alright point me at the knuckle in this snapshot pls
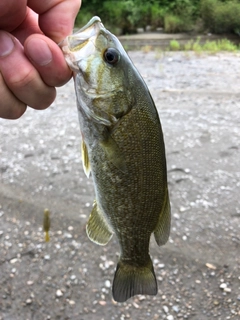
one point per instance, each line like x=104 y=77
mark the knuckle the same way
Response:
x=22 y=80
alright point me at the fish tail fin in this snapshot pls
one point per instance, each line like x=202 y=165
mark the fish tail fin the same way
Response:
x=130 y=280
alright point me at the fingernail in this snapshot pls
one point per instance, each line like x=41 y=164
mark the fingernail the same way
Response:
x=6 y=44
x=39 y=52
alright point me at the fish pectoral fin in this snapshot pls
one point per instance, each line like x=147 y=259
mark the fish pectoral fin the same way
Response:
x=114 y=154
x=130 y=280
x=162 y=230
x=85 y=159
x=97 y=227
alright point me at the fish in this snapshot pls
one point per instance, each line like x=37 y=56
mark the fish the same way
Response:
x=123 y=151
x=46 y=224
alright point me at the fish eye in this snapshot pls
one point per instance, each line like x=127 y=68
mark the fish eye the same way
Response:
x=111 y=56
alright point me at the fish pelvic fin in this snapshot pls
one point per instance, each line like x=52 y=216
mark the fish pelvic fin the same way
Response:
x=130 y=280
x=162 y=230
x=97 y=227
x=85 y=159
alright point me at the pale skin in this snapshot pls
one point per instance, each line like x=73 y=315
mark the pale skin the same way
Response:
x=31 y=63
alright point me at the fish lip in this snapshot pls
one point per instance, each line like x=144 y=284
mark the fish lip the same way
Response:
x=74 y=46
x=85 y=34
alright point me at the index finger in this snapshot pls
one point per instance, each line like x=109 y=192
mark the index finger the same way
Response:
x=56 y=18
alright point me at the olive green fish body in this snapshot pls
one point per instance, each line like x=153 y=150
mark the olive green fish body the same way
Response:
x=123 y=148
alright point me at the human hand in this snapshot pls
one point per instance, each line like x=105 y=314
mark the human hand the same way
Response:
x=31 y=63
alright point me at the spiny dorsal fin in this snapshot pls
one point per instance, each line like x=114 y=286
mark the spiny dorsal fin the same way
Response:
x=162 y=230
x=97 y=227
x=130 y=280
x=85 y=159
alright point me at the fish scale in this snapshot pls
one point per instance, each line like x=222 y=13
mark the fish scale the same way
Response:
x=123 y=147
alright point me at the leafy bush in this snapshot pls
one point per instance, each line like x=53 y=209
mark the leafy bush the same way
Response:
x=174 y=24
x=126 y=16
x=221 y=17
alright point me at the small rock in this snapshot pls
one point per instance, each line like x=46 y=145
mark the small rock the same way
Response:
x=59 y=293
x=71 y=302
x=47 y=257
x=29 y=283
x=228 y=290
x=165 y=309
x=175 y=309
x=135 y=305
x=107 y=284
x=28 y=301
x=223 y=286
x=210 y=266
x=13 y=261
x=170 y=317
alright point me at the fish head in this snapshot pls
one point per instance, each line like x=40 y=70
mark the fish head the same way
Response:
x=102 y=71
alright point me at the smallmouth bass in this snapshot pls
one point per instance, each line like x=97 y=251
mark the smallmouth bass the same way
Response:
x=123 y=149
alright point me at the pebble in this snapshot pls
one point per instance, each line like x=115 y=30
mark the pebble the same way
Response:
x=59 y=293
x=13 y=261
x=223 y=285
x=107 y=284
x=210 y=266
x=47 y=257
x=175 y=309
x=170 y=317
x=29 y=301
x=165 y=309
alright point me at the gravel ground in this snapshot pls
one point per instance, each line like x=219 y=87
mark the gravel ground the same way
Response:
x=198 y=271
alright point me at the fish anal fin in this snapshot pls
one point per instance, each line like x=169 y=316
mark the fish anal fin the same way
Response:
x=162 y=230
x=114 y=154
x=97 y=227
x=85 y=159
x=131 y=280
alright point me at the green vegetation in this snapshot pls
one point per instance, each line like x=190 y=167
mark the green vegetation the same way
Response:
x=208 y=46
x=125 y=16
x=174 y=45
x=220 y=17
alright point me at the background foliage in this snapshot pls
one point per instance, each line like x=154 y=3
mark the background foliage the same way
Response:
x=125 y=16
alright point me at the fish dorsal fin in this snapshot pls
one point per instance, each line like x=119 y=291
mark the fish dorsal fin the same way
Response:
x=114 y=154
x=162 y=230
x=97 y=227
x=85 y=159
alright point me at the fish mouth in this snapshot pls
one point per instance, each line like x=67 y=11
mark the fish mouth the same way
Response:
x=81 y=44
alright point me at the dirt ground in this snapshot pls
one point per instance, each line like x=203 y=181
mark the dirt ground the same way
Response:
x=198 y=271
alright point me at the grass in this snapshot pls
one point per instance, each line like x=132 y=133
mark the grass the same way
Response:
x=208 y=46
